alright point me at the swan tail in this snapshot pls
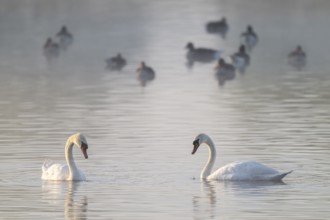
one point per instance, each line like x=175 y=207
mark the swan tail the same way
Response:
x=47 y=163
x=279 y=177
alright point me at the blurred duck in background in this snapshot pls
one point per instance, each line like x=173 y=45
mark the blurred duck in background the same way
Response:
x=203 y=55
x=65 y=38
x=51 y=50
x=145 y=74
x=297 y=58
x=218 y=27
x=249 y=38
x=115 y=63
x=241 y=60
x=224 y=71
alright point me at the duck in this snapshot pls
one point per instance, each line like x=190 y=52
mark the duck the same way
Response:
x=297 y=58
x=68 y=171
x=65 y=38
x=241 y=59
x=235 y=171
x=115 y=63
x=203 y=55
x=218 y=27
x=51 y=50
x=224 y=71
x=249 y=38
x=145 y=74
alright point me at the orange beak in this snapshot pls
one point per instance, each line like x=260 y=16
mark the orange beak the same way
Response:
x=84 y=150
x=196 y=145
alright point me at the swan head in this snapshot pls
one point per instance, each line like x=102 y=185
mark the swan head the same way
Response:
x=80 y=140
x=199 y=139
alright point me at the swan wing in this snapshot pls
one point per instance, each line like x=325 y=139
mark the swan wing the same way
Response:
x=54 y=171
x=247 y=171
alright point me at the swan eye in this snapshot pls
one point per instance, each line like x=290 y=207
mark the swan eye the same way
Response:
x=196 y=143
x=84 y=145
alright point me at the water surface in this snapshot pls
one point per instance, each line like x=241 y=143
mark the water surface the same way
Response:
x=140 y=139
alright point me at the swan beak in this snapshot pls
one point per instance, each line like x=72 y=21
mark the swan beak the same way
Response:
x=196 y=145
x=84 y=150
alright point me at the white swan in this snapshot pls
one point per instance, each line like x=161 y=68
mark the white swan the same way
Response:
x=69 y=171
x=236 y=171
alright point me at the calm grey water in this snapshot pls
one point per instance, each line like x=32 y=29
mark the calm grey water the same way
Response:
x=140 y=164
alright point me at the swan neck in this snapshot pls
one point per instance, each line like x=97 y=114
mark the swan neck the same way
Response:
x=69 y=159
x=210 y=162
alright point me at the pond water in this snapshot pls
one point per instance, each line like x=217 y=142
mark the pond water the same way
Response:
x=140 y=139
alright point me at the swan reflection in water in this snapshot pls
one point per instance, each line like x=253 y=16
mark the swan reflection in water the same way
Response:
x=204 y=205
x=75 y=204
x=75 y=208
x=209 y=203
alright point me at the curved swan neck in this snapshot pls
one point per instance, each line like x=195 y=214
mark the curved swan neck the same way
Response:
x=69 y=159
x=210 y=162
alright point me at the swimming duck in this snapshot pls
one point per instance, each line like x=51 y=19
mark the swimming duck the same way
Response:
x=224 y=71
x=241 y=59
x=145 y=74
x=115 y=63
x=249 y=38
x=218 y=27
x=51 y=50
x=297 y=58
x=203 y=55
x=65 y=38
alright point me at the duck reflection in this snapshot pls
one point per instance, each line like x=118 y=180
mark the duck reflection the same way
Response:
x=75 y=206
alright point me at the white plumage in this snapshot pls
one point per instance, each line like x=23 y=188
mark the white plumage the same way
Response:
x=69 y=171
x=236 y=171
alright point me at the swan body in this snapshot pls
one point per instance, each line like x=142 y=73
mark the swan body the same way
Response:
x=69 y=171
x=236 y=171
